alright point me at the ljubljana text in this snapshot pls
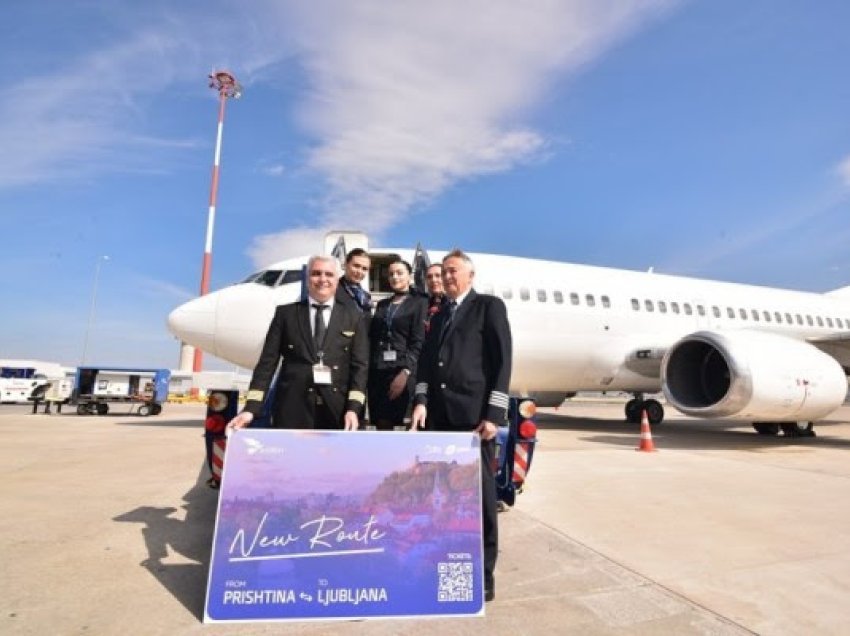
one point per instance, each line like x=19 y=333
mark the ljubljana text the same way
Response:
x=315 y=537
x=324 y=596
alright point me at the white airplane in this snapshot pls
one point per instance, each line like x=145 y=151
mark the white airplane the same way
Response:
x=776 y=358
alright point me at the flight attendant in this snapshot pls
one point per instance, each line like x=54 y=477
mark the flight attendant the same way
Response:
x=396 y=334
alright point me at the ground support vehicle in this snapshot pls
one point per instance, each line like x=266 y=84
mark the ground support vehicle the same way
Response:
x=98 y=388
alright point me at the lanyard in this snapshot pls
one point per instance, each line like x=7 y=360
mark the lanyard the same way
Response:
x=392 y=310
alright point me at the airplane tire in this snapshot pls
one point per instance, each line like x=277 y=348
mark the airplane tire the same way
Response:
x=145 y=410
x=798 y=429
x=766 y=428
x=82 y=409
x=654 y=411
x=102 y=408
x=156 y=409
x=633 y=409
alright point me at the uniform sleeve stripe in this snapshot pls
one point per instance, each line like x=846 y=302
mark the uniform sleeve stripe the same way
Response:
x=357 y=396
x=499 y=399
x=256 y=395
x=421 y=388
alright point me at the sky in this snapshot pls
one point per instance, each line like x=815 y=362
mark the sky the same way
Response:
x=707 y=139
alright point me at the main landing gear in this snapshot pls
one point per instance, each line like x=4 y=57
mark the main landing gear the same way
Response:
x=636 y=406
x=789 y=429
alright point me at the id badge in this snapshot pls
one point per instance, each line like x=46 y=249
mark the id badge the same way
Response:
x=390 y=355
x=321 y=374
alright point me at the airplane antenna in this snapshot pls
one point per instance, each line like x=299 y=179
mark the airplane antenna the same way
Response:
x=228 y=87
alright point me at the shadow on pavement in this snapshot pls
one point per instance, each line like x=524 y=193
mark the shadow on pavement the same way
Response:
x=190 y=537
x=690 y=434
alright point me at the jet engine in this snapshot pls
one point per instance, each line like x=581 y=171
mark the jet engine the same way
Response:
x=754 y=376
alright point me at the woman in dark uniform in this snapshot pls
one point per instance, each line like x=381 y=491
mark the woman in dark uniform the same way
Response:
x=396 y=335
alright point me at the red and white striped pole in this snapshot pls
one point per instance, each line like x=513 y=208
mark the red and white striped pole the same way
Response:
x=227 y=86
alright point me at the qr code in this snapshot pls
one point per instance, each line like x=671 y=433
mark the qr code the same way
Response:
x=455 y=581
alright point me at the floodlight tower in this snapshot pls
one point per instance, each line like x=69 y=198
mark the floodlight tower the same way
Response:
x=227 y=86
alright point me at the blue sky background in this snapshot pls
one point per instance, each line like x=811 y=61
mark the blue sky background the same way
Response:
x=701 y=138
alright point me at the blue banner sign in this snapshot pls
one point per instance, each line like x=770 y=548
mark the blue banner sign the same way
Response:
x=342 y=525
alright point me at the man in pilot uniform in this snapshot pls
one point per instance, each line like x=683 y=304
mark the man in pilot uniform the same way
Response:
x=324 y=348
x=462 y=381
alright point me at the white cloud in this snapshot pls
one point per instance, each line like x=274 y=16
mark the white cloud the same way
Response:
x=275 y=170
x=402 y=100
x=843 y=170
x=269 y=248
x=406 y=99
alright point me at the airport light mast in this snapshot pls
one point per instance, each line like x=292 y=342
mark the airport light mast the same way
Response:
x=227 y=86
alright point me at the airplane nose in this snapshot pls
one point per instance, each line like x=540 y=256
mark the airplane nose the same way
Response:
x=194 y=322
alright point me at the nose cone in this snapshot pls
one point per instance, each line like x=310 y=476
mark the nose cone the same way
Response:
x=194 y=322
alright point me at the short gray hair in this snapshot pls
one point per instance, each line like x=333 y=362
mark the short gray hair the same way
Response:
x=459 y=253
x=324 y=258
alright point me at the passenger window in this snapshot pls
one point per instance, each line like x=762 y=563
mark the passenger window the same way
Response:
x=742 y=313
x=674 y=307
x=809 y=321
x=839 y=324
x=507 y=293
x=574 y=298
x=766 y=315
x=524 y=294
x=701 y=310
x=730 y=312
x=606 y=302
x=716 y=311
x=754 y=314
x=541 y=295
x=788 y=319
x=688 y=310
x=828 y=321
x=777 y=316
x=662 y=306
x=799 y=319
x=820 y=321
x=649 y=306
x=635 y=304
x=591 y=302
x=558 y=296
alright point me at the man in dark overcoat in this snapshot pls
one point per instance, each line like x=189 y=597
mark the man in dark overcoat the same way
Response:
x=323 y=349
x=462 y=381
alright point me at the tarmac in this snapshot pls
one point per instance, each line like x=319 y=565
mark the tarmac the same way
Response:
x=106 y=525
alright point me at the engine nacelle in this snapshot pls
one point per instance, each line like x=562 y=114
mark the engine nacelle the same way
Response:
x=751 y=375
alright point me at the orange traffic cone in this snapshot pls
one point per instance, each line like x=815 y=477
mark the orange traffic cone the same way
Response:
x=646 y=444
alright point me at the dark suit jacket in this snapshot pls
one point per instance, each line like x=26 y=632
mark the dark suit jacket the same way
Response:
x=290 y=341
x=464 y=373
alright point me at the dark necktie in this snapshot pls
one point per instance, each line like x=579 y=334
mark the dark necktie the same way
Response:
x=319 y=328
x=452 y=308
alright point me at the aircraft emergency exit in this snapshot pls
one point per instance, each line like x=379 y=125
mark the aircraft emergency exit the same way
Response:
x=773 y=357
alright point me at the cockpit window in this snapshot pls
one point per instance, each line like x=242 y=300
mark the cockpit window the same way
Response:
x=252 y=277
x=268 y=277
x=290 y=276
